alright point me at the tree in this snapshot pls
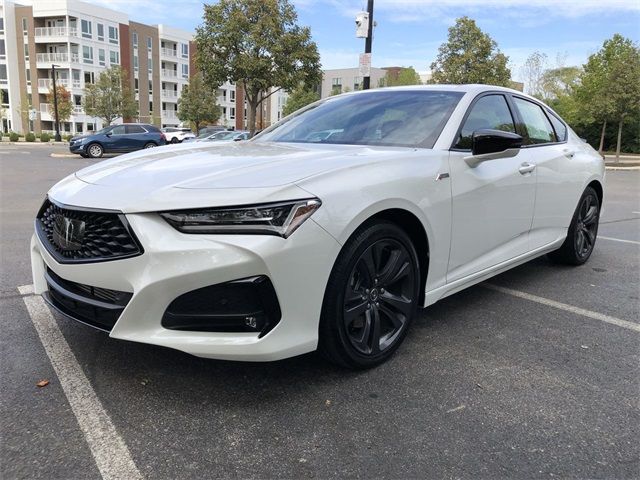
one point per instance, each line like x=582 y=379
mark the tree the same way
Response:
x=403 y=76
x=257 y=44
x=610 y=86
x=111 y=97
x=65 y=107
x=197 y=103
x=532 y=71
x=470 y=56
x=301 y=96
x=558 y=90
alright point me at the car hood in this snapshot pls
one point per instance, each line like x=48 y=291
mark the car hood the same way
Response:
x=198 y=174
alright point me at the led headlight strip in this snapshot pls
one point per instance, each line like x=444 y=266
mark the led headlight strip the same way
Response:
x=282 y=218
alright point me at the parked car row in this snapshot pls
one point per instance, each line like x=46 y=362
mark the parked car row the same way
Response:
x=129 y=137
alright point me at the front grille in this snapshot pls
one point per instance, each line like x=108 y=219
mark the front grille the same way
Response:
x=74 y=235
x=95 y=306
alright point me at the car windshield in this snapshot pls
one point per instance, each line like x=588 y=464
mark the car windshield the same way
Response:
x=406 y=118
x=221 y=136
x=103 y=131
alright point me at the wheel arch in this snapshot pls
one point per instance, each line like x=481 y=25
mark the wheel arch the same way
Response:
x=597 y=186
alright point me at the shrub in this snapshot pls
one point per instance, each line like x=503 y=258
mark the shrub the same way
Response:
x=45 y=137
x=66 y=138
x=30 y=137
x=13 y=137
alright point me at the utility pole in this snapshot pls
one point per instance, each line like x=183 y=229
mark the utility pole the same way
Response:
x=57 y=137
x=366 y=81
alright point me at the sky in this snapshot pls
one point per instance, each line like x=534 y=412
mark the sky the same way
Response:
x=409 y=32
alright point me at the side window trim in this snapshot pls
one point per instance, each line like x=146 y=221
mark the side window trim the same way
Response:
x=550 y=114
x=506 y=97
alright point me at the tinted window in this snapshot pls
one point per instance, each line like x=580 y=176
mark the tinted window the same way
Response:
x=490 y=111
x=537 y=125
x=394 y=118
x=559 y=127
x=135 y=129
x=118 y=130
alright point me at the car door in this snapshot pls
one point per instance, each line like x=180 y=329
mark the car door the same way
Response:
x=558 y=188
x=137 y=137
x=115 y=139
x=493 y=201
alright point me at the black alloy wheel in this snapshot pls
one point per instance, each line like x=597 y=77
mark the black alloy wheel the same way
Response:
x=582 y=233
x=371 y=298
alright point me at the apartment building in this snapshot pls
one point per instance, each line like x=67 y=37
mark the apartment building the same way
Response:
x=347 y=79
x=82 y=40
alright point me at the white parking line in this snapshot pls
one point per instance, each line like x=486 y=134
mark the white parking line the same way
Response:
x=619 y=240
x=567 y=308
x=107 y=447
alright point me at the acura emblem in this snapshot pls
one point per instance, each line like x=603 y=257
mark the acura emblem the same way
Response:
x=68 y=233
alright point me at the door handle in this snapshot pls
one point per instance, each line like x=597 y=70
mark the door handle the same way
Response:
x=527 y=168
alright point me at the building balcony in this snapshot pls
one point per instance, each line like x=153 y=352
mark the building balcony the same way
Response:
x=45 y=84
x=169 y=95
x=169 y=73
x=44 y=60
x=168 y=52
x=169 y=115
x=47 y=111
x=46 y=34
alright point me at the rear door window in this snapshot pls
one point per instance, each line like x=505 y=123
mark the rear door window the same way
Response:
x=135 y=129
x=538 y=129
x=489 y=112
x=559 y=127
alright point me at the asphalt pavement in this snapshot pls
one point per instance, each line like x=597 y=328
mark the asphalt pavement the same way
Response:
x=537 y=378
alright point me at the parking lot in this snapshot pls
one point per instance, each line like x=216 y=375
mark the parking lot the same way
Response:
x=534 y=374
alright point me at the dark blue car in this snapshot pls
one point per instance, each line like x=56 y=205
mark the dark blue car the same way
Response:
x=126 y=137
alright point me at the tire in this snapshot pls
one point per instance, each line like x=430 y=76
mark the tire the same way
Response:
x=175 y=140
x=582 y=233
x=84 y=155
x=95 y=150
x=371 y=297
x=150 y=145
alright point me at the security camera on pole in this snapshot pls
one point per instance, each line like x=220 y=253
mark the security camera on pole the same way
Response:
x=364 y=29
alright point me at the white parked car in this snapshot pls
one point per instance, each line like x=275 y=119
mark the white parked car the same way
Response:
x=282 y=245
x=177 y=135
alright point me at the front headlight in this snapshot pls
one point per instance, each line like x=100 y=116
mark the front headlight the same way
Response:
x=281 y=218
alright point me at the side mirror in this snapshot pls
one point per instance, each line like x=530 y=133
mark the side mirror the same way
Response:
x=488 y=144
x=108 y=134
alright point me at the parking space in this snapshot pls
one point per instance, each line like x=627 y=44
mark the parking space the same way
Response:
x=488 y=384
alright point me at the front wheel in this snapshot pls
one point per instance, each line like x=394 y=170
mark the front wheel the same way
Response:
x=582 y=233
x=371 y=298
x=175 y=140
x=95 y=150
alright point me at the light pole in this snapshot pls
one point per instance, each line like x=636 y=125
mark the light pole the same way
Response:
x=366 y=81
x=57 y=137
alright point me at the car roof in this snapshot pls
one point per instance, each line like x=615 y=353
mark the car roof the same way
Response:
x=472 y=88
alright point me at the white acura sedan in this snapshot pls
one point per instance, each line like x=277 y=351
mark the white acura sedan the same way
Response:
x=298 y=240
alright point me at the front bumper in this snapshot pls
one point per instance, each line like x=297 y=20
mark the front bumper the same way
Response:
x=77 y=148
x=174 y=263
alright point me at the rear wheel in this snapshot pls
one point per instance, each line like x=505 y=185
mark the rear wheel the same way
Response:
x=175 y=140
x=95 y=150
x=150 y=145
x=581 y=237
x=371 y=298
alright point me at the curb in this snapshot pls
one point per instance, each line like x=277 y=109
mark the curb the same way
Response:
x=622 y=168
x=64 y=155
x=39 y=144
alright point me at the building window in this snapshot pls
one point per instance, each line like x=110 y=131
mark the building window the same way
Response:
x=135 y=63
x=85 y=25
x=1 y=25
x=101 y=57
x=75 y=76
x=232 y=113
x=88 y=78
x=134 y=37
x=3 y=53
x=149 y=44
x=136 y=85
x=150 y=65
x=150 y=107
x=28 y=75
x=114 y=57
x=26 y=51
x=232 y=95
x=336 y=82
x=87 y=54
x=113 y=35
x=150 y=87
x=25 y=28
x=185 y=50
x=3 y=72
x=4 y=97
x=185 y=71
x=101 y=32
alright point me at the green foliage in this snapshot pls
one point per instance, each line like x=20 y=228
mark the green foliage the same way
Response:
x=533 y=71
x=65 y=107
x=470 y=56
x=301 y=96
x=45 y=137
x=13 y=137
x=68 y=137
x=110 y=97
x=257 y=44
x=30 y=137
x=406 y=76
x=197 y=103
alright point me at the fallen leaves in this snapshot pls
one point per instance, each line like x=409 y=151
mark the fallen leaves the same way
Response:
x=42 y=383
